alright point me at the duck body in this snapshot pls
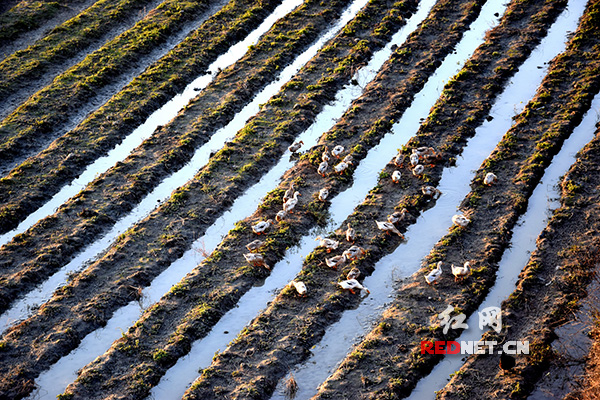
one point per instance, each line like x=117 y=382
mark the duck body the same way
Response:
x=396 y=176
x=342 y=166
x=255 y=245
x=490 y=179
x=296 y=146
x=289 y=205
x=460 y=220
x=460 y=272
x=336 y=261
x=350 y=234
x=399 y=160
x=329 y=244
x=353 y=274
x=431 y=192
x=397 y=216
x=280 y=216
x=300 y=288
x=260 y=227
x=323 y=167
x=325 y=155
x=418 y=170
x=414 y=159
x=289 y=193
x=337 y=151
x=323 y=194
x=351 y=285
x=433 y=276
x=257 y=260
x=354 y=252
x=388 y=227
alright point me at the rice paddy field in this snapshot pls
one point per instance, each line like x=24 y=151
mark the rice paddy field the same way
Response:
x=278 y=199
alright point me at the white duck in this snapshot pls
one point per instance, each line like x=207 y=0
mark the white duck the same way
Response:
x=337 y=151
x=397 y=216
x=431 y=192
x=289 y=193
x=354 y=252
x=490 y=179
x=342 y=166
x=255 y=245
x=289 y=205
x=460 y=220
x=257 y=260
x=296 y=146
x=353 y=274
x=325 y=155
x=323 y=167
x=350 y=234
x=300 y=287
x=351 y=284
x=329 y=244
x=261 y=226
x=433 y=276
x=388 y=227
x=461 y=272
x=280 y=216
x=418 y=170
x=399 y=160
x=396 y=176
x=323 y=194
x=336 y=261
x=414 y=159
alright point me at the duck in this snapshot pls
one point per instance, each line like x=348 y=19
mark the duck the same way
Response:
x=460 y=220
x=342 y=166
x=353 y=274
x=323 y=194
x=336 y=261
x=323 y=167
x=388 y=227
x=425 y=153
x=296 y=146
x=255 y=245
x=431 y=192
x=351 y=284
x=289 y=205
x=433 y=276
x=300 y=287
x=418 y=170
x=399 y=160
x=280 y=216
x=414 y=159
x=325 y=155
x=350 y=234
x=329 y=244
x=261 y=226
x=337 y=151
x=397 y=216
x=396 y=176
x=354 y=252
x=349 y=159
x=257 y=260
x=490 y=179
x=460 y=271
x=289 y=193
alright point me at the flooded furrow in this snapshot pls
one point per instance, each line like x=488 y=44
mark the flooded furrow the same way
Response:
x=25 y=306
x=454 y=185
x=160 y=117
x=542 y=202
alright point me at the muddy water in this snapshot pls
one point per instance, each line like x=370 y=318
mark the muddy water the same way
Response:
x=542 y=201
x=425 y=233
x=22 y=308
x=160 y=117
